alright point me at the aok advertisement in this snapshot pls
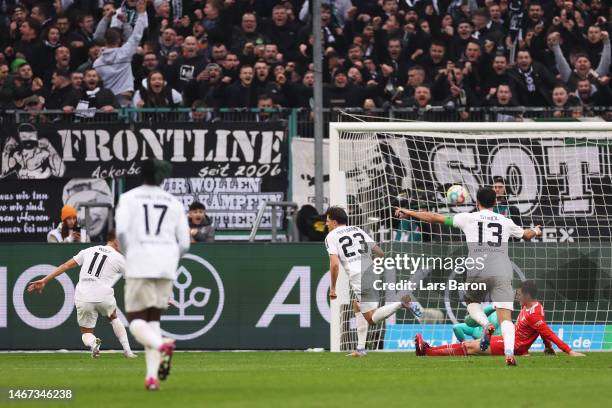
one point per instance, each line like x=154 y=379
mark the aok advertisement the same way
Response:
x=226 y=296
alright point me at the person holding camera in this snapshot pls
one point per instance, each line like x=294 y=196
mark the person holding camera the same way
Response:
x=68 y=231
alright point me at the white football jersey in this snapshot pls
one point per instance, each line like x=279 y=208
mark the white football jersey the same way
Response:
x=487 y=227
x=353 y=246
x=101 y=266
x=153 y=230
x=487 y=234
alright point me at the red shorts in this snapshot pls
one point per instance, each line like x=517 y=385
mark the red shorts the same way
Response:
x=497 y=347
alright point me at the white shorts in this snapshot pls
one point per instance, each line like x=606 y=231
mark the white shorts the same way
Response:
x=364 y=307
x=87 y=312
x=144 y=293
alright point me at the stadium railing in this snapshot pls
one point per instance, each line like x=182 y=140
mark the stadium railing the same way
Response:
x=300 y=120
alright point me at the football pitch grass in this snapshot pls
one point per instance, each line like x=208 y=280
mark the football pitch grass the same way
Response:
x=297 y=379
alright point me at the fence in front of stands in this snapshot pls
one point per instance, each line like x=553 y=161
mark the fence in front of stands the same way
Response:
x=300 y=120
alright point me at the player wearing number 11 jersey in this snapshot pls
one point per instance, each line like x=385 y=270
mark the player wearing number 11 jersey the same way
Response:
x=154 y=233
x=487 y=235
x=101 y=266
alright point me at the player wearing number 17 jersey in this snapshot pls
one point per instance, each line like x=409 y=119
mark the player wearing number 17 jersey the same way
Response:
x=101 y=266
x=353 y=248
x=487 y=235
x=154 y=233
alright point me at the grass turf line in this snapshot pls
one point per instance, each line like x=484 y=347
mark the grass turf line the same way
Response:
x=281 y=379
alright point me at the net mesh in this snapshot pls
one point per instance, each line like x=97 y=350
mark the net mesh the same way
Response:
x=555 y=179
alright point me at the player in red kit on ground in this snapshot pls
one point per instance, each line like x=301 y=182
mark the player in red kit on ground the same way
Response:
x=529 y=325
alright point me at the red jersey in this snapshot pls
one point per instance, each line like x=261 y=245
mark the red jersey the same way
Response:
x=529 y=325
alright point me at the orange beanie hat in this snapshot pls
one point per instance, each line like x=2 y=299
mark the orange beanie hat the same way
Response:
x=68 y=211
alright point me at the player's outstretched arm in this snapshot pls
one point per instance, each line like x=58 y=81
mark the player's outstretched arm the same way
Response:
x=537 y=322
x=430 y=217
x=40 y=284
x=532 y=232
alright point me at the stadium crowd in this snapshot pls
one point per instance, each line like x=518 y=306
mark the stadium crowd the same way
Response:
x=82 y=55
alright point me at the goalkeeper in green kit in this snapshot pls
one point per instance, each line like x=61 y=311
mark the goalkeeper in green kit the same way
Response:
x=471 y=328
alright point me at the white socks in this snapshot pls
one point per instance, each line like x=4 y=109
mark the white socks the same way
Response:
x=507 y=329
x=149 y=335
x=121 y=334
x=145 y=334
x=385 y=311
x=88 y=339
x=476 y=313
x=362 y=331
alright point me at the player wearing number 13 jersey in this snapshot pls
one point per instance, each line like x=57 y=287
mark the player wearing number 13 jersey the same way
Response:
x=487 y=235
x=101 y=266
x=154 y=233
x=354 y=249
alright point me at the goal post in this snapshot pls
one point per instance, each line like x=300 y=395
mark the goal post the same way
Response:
x=555 y=174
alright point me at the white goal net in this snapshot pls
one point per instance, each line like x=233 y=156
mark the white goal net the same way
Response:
x=558 y=175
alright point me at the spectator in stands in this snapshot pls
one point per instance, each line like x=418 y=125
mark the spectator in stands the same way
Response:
x=82 y=38
x=460 y=39
x=114 y=64
x=68 y=231
x=167 y=42
x=63 y=96
x=505 y=107
x=582 y=65
x=94 y=97
x=76 y=79
x=434 y=61
x=497 y=73
x=533 y=81
x=247 y=34
x=502 y=206
x=27 y=44
x=374 y=42
x=156 y=93
x=47 y=48
x=34 y=104
x=241 y=93
x=201 y=113
x=416 y=77
x=283 y=32
x=41 y=13
x=301 y=94
x=200 y=225
x=565 y=104
x=4 y=73
x=342 y=94
x=63 y=24
x=265 y=106
x=186 y=67
x=452 y=91
x=19 y=86
x=93 y=53
x=150 y=63
x=62 y=62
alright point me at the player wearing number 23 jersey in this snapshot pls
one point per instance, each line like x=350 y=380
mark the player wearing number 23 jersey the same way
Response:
x=353 y=246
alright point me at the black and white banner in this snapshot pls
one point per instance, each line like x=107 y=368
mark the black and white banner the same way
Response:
x=115 y=150
x=564 y=184
x=232 y=168
x=29 y=209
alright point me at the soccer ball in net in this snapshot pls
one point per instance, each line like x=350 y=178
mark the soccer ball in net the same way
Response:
x=456 y=195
